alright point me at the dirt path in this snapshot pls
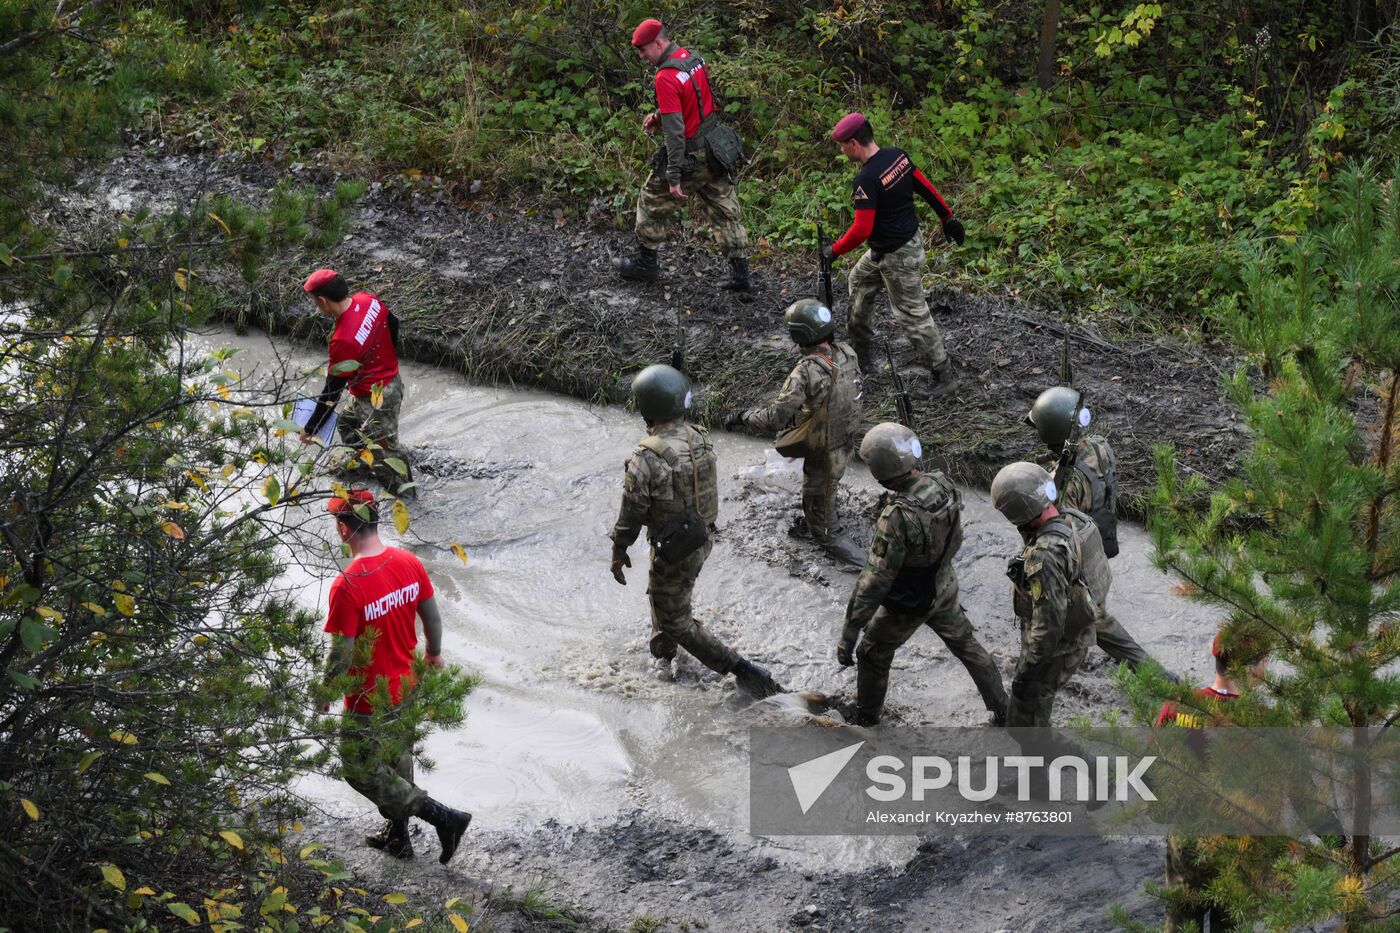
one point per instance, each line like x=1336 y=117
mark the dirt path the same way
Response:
x=531 y=300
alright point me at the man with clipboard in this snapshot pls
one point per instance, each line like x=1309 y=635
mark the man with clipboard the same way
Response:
x=364 y=359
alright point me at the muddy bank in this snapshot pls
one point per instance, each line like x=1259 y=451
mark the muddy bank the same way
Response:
x=504 y=297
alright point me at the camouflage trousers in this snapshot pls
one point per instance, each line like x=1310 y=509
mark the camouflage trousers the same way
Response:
x=1187 y=878
x=715 y=195
x=1033 y=690
x=1115 y=641
x=901 y=275
x=378 y=769
x=361 y=424
x=889 y=630
x=821 y=475
x=672 y=625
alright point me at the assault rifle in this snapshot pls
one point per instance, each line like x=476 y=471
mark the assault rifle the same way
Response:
x=1076 y=429
x=901 y=397
x=825 y=268
x=678 y=349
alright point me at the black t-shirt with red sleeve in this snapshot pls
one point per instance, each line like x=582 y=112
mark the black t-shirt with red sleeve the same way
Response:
x=883 y=192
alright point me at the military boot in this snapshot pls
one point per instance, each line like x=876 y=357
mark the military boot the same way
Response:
x=754 y=680
x=450 y=824
x=942 y=380
x=865 y=357
x=739 y=280
x=643 y=267
x=843 y=549
x=393 y=839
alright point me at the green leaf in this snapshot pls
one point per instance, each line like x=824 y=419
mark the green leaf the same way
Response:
x=185 y=912
x=86 y=761
x=396 y=898
x=113 y=876
x=344 y=366
x=288 y=425
x=24 y=680
x=232 y=838
x=157 y=778
x=397 y=465
x=6 y=257
x=61 y=275
x=34 y=635
x=272 y=490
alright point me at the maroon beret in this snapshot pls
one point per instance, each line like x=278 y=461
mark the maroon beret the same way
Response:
x=846 y=127
x=647 y=31
x=318 y=278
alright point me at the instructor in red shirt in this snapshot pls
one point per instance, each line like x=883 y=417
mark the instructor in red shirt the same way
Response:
x=373 y=607
x=884 y=191
x=364 y=358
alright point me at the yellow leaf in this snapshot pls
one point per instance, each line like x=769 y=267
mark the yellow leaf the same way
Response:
x=125 y=604
x=452 y=902
x=197 y=480
x=48 y=613
x=124 y=737
x=122 y=241
x=376 y=396
x=232 y=838
x=213 y=216
x=174 y=530
x=458 y=923
x=460 y=552
x=95 y=609
x=415 y=922
x=309 y=850
x=157 y=777
x=144 y=890
x=272 y=490
x=396 y=898
x=29 y=808
x=339 y=491
x=185 y=912
x=400 y=516
x=367 y=457
x=113 y=876
x=181 y=280
x=227 y=470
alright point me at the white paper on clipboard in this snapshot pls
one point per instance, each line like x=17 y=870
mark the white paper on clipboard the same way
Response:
x=302 y=412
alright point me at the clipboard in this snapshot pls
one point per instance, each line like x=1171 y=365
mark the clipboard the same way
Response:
x=301 y=414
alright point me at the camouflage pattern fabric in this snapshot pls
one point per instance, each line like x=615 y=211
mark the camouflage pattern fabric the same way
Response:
x=362 y=424
x=1058 y=619
x=649 y=500
x=379 y=771
x=906 y=534
x=714 y=195
x=821 y=477
x=901 y=275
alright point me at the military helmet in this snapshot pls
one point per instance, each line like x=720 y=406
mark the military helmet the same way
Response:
x=1022 y=492
x=809 y=321
x=662 y=393
x=890 y=450
x=1053 y=415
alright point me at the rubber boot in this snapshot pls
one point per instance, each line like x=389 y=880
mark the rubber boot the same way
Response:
x=754 y=680
x=871 y=688
x=739 y=280
x=843 y=549
x=450 y=824
x=643 y=267
x=392 y=839
x=865 y=357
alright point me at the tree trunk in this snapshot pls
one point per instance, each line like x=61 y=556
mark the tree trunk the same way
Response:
x=1045 y=70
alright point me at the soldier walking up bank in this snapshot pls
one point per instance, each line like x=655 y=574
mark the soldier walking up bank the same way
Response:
x=373 y=607
x=908 y=580
x=1060 y=584
x=697 y=159
x=883 y=192
x=818 y=411
x=672 y=489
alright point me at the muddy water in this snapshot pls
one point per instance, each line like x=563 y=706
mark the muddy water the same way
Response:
x=573 y=723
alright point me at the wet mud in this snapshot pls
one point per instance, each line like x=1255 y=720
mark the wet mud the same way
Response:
x=612 y=794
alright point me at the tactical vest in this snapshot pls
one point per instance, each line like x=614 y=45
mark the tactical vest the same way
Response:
x=688 y=66
x=837 y=416
x=935 y=505
x=1095 y=461
x=694 y=479
x=1089 y=576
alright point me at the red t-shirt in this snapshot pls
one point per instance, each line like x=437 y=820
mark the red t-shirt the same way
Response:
x=362 y=334
x=380 y=595
x=676 y=94
x=1173 y=715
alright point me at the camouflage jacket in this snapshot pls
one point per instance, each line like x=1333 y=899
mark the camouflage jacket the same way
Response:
x=649 y=489
x=805 y=388
x=918 y=530
x=1052 y=595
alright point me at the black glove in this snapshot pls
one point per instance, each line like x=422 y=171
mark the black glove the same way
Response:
x=827 y=254
x=677 y=359
x=735 y=419
x=954 y=230
x=845 y=653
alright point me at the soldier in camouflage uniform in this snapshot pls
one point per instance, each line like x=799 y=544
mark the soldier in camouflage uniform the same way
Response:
x=1087 y=480
x=820 y=399
x=671 y=489
x=696 y=160
x=1060 y=584
x=908 y=580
